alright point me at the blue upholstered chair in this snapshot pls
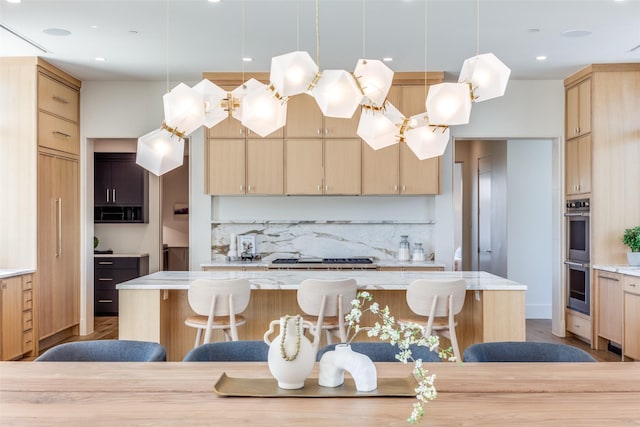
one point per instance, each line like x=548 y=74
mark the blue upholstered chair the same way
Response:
x=385 y=352
x=525 y=352
x=105 y=351
x=229 y=351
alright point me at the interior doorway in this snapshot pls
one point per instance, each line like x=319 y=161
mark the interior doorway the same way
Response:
x=175 y=216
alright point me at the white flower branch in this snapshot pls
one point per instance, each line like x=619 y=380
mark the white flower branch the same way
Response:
x=404 y=335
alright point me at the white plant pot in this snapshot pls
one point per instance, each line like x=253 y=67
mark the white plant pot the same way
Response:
x=633 y=258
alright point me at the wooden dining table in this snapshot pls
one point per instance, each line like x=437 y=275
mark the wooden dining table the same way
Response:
x=182 y=394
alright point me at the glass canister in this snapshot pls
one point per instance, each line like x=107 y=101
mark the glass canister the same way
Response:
x=403 y=252
x=418 y=252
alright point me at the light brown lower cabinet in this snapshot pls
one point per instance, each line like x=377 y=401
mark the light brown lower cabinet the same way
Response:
x=608 y=287
x=16 y=317
x=631 y=347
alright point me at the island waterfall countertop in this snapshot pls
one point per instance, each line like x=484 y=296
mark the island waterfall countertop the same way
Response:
x=291 y=279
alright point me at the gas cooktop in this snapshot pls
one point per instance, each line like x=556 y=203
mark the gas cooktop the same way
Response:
x=323 y=263
x=359 y=260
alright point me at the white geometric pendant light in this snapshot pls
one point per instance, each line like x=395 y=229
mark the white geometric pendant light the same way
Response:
x=337 y=94
x=238 y=95
x=379 y=128
x=427 y=141
x=213 y=96
x=449 y=104
x=160 y=150
x=292 y=73
x=263 y=110
x=487 y=75
x=183 y=109
x=375 y=80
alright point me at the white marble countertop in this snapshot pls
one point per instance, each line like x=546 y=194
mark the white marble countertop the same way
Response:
x=11 y=272
x=630 y=270
x=120 y=255
x=290 y=279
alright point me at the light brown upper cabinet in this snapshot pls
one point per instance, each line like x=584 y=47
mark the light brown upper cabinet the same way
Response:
x=578 y=114
x=265 y=162
x=304 y=118
x=303 y=166
x=238 y=166
x=318 y=155
x=342 y=166
x=380 y=170
x=226 y=172
x=315 y=166
x=578 y=165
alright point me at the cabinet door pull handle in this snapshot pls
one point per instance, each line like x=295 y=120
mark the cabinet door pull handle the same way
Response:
x=114 y=195
x=59 y=99
x=59 y=228
x=248 y=188
x=241 y=187
x=57 y=132
x=105 y=262
x=105 y=300
x=107 y=195
x=319 y=187
x=633 y=285
x=104 y=279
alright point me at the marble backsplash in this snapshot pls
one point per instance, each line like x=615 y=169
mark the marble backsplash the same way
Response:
x=322 y=239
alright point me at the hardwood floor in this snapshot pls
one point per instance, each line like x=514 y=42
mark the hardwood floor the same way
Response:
x=537 y=330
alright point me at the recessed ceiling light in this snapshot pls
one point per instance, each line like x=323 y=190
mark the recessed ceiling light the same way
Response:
x=56 y=32
x=247 y=59
x=93 y=27
x=100 y=59
x=541 y=58
x=388 y=59
x=214 y=1
x=576 y=33
x=14 y=1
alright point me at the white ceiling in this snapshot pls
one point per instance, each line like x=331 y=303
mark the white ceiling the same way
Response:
x=133 y=38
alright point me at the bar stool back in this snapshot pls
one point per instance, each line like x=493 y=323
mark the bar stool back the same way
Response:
x=217 y=304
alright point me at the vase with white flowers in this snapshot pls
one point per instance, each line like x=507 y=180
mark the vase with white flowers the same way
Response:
x=404 y=336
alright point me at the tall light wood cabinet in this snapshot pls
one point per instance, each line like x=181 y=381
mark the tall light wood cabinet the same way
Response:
x=578 y=104
x=43 y=128
x=578 y=166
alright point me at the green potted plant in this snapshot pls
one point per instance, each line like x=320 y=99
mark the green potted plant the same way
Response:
x=631 y=238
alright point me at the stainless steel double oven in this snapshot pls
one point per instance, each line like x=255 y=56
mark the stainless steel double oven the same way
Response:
x=578 y=257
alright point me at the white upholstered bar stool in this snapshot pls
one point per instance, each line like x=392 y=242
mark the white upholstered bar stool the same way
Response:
x=325 y=303
x=217 y=304
x=436 y=303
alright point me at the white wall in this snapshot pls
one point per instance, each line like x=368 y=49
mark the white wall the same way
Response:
x=529 y=222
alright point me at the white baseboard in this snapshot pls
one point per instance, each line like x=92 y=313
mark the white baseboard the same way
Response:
x=538 y=311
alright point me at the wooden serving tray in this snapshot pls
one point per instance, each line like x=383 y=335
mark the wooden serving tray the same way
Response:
x=268 y=387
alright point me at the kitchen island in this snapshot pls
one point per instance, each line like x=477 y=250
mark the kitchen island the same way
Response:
x=154 y=307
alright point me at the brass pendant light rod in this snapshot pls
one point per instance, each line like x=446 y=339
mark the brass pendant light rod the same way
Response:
x=166 y=42
x=478 y=28
x=318 y=33
x=425 y=49
x=243 y=55
x=364 y=32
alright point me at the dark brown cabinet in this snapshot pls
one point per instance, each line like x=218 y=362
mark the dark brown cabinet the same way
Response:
x=120 y=188
x=108 y=272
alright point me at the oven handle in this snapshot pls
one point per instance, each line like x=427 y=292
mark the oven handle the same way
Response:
x=576 y=264
x=577 y=214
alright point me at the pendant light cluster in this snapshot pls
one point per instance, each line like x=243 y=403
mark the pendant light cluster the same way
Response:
x=262 y=108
